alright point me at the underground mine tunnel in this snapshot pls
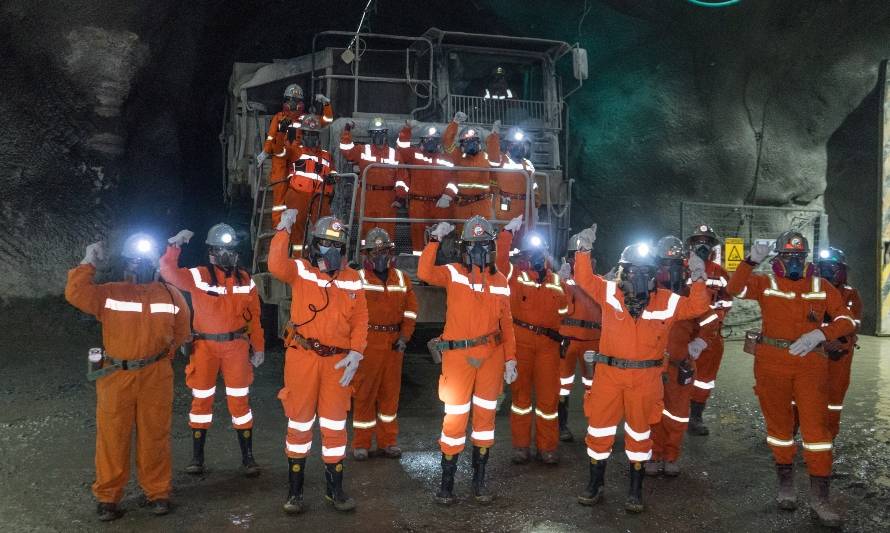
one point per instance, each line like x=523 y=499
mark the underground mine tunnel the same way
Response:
x=169 y=264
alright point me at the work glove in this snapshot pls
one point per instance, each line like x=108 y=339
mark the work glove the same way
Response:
x=401 y=345
x=350 y=366
x=496 y=127
x=807 y=342
x=565 y=270
x=697 y=268
x=443 y=202
x=260 y=158
x=696 y=347
x=257 y=359
x=441 y=230
x=95 y=254
x=183 y=237
x=758 y=253
x=322 y=99
x=514 y=224
x=510 y=372
x=348 y=126
x=412 y=123
x=398 y=204
x=288 y=218
x=459 y=117
x=587 y=237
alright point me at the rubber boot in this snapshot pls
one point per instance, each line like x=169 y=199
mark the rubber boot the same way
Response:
x=159 y=507
x=108 y=512
x=199 y=436
x=786 y=497
x=480 y=491
x=634 y=502
x=295 y=474
x=696 y=426
x=245 y=440
x=593 y=494
x=333 y=474
x=562 y=410
x=445 y=495
x=520 y=456
x=820 y=502
x=654 y=468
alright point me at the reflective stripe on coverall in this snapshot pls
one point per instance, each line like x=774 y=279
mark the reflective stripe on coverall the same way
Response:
x=303 y=184
x=138 y=321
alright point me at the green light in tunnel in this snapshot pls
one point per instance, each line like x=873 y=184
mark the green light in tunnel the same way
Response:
x=714 y=3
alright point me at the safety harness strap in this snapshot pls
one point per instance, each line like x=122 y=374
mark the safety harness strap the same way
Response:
x=586 y=324
x=291 y=336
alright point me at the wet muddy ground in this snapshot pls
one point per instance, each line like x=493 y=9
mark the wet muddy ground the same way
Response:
x=47 y=425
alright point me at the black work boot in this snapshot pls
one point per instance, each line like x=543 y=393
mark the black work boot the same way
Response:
x=295 y=475
x=159 y=507
x=245 y=440
x=199 y=436
x=593 y=494
x=634 y=502
x=333 y=475
x=696 y=426
x=108 y=512
x=480 y=491
x=445 y=495
x=786 y=497
x=820 y=502
x=562 y=410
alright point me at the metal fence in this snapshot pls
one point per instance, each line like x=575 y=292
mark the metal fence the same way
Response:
x=510 y=112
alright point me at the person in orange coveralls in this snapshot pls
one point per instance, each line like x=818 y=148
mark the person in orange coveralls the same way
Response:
x=393 y=308
x=832 y=265
x=284 y=132
x=227 y=327
x=790 y=365
x=469 y=190
x=425 y=187
x=478 y=348
x=637 y=317
x=580 y=330
x=386 y=187
x=325 y=338
x=703 y=243
x=143 y=323
x=511 y=196
x=537 y=302
x=685 y=345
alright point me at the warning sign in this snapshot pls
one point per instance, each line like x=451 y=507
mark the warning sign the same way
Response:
x=735 y=253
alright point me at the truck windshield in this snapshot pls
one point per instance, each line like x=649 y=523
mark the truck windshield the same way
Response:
x=496 y=77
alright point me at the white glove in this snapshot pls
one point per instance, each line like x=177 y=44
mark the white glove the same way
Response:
x=350 y=363
x=441 y=230
x=460 y=116
x=95 y=254
x=696 y=347
x=396 y=205
x=807 y=342
x=322 y=98
x=288 y=218
x=510 y=372
x=514 y=224
x=444 y=202
x=759 y=252
x=496 y=127
x=587 y=237
x=565 y=270
x=401 y=345
x=183 y=237
x=697 y=268
x=257 y=358
x=260 y=158
x=412 y=123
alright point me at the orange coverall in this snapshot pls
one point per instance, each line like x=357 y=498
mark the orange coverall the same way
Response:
x=138 y=321
x=379 y=377
x=425 y=187
x=667 y=435
x=226 y=305
x=541 y=303
x=709 y=362
x=635 y=393
x=471 y=190
x=383 y=184
x=303 y=184
x=839 y=369
x=478 y=303
x=311 y=383
x=790 y=309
